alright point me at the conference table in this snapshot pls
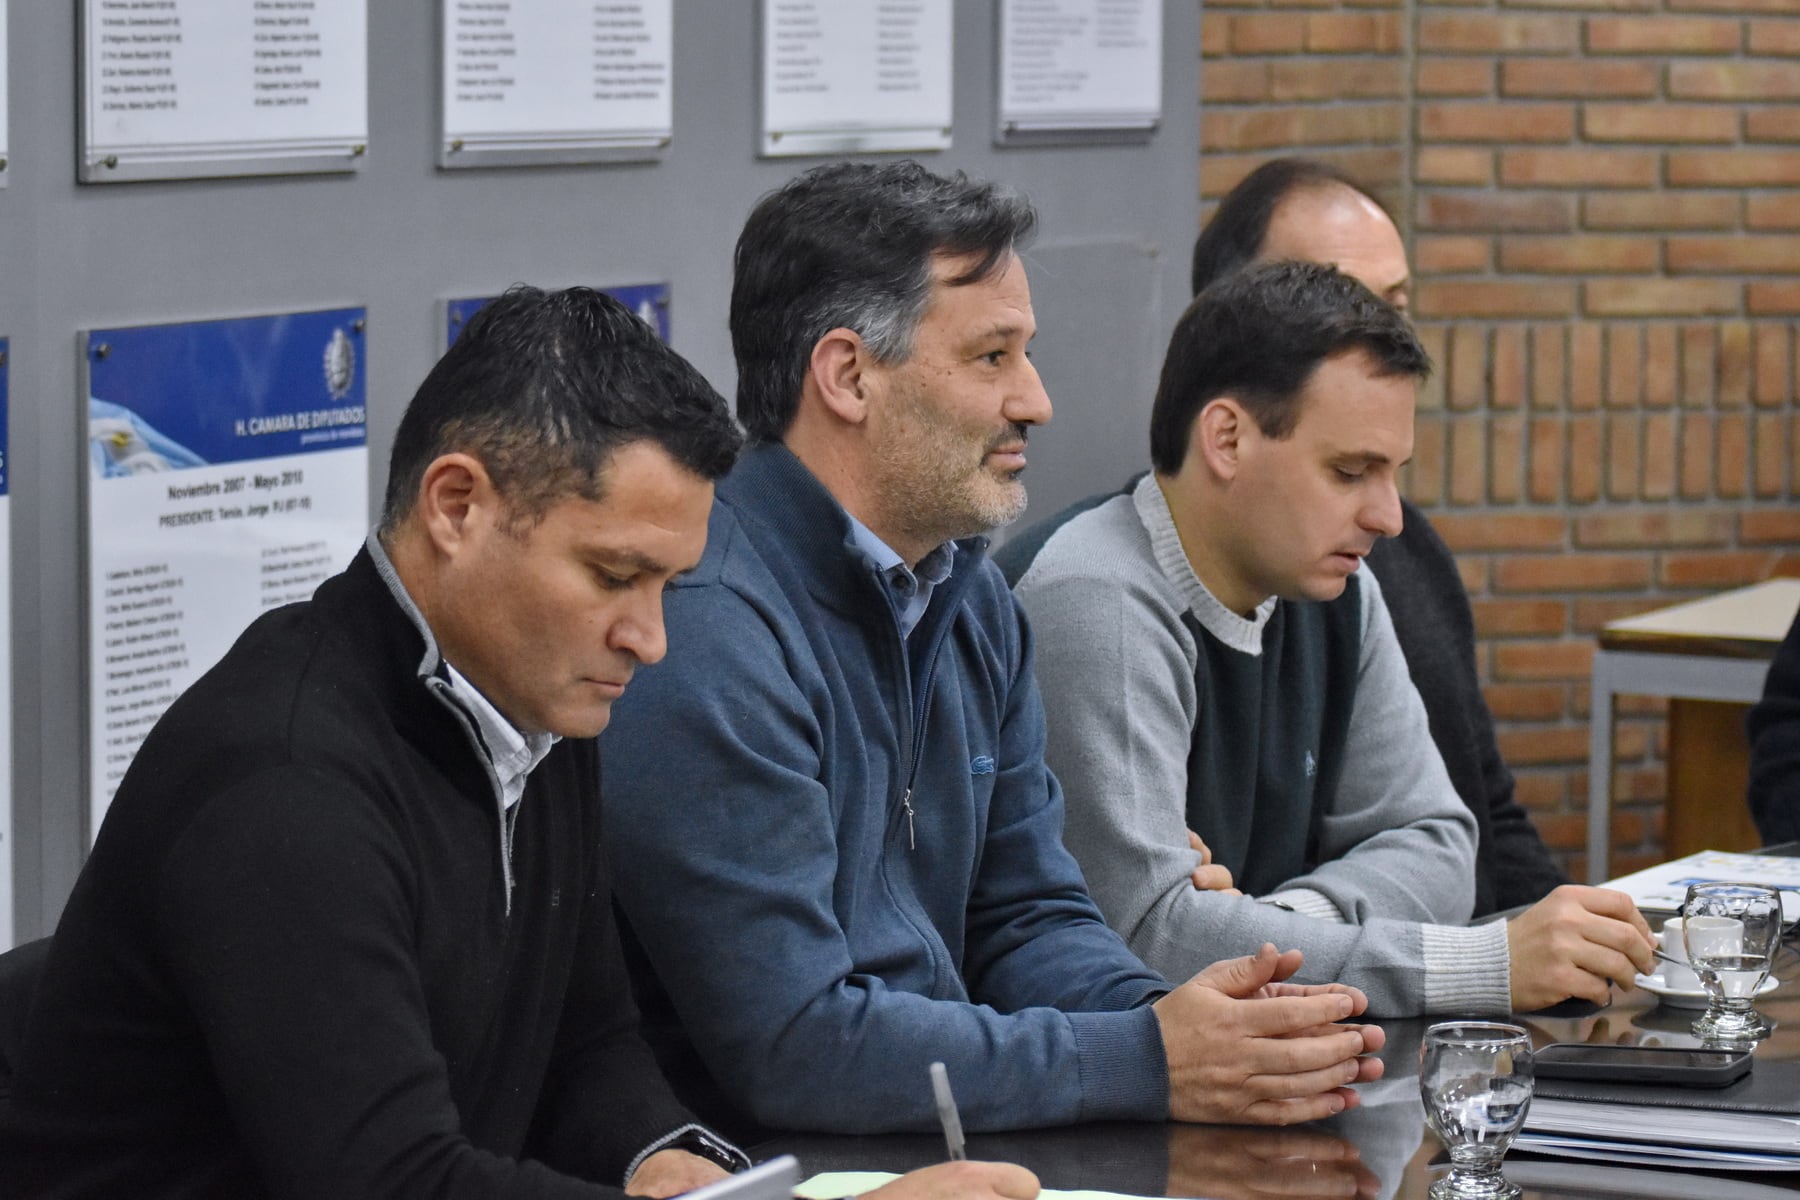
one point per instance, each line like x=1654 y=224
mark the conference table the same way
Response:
x=1709 y=658
x=1380 y=1150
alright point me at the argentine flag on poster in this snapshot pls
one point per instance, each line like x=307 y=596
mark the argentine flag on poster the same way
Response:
x=227 y=473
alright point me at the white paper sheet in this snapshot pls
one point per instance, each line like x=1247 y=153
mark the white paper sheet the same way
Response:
x=549 y=80
x=848 y=78
x=1662 y=888
x=1080 y=64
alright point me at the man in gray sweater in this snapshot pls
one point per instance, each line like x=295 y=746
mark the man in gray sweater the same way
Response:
x=1311 y=211
x=1213 y=659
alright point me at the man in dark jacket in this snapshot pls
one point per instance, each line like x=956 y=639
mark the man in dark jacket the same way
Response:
x=346 y=931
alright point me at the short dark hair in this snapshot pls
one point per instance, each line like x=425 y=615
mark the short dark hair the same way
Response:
x=542 y=387
x=851 y=245
x=1240 y=225
x=1258 y=335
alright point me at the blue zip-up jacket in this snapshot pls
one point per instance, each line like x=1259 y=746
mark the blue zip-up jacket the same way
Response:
x=814 y=941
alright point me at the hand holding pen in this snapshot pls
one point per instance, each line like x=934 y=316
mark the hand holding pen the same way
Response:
x=957 y=1179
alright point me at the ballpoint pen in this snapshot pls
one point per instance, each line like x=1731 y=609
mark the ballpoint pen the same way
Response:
x=946 y=1110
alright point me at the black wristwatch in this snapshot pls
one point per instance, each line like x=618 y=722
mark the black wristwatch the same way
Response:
x=708 y=1145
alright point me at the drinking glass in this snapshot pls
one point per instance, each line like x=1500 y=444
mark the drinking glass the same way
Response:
x=1475 y=1078
x=1731 y=931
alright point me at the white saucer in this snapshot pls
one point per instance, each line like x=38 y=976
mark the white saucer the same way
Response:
x=1690 y=998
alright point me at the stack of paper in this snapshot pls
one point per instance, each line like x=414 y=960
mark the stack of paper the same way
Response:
x=1753 y=1124
x=1640 y=1133
x=1634 y=1182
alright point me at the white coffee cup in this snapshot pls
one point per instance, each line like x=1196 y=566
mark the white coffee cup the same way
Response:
x=1714 y=937
x=1677 y=976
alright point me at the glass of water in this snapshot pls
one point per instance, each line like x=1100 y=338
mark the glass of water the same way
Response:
x=1731 y=931
x=1475 y=1079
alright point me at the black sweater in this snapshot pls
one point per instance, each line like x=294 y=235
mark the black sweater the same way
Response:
x=1263 y=716
x=289 y=969
x=1775 y=746
x=1424 y=592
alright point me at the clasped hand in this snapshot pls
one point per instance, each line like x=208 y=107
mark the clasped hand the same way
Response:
x=1245 y=1046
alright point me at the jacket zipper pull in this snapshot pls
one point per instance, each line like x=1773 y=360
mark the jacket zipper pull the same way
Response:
x=906 y=803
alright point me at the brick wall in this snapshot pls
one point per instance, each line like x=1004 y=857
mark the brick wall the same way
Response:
x=1602 y=201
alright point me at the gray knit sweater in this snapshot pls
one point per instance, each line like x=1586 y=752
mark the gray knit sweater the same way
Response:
x=1116 y=664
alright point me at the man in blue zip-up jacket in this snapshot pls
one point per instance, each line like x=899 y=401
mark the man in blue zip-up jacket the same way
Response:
x=836 y=842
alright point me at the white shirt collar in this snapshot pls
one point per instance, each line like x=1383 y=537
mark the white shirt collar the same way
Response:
x=514 y=754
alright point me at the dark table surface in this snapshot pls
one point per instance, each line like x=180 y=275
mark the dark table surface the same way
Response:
x=1379 y=1150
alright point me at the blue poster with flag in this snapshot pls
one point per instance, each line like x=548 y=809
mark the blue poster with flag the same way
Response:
x=650 y=301
x=227 y=474
x=165 y=397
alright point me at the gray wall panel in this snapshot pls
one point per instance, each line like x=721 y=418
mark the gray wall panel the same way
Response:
x=401 y=235
x=1100 y=307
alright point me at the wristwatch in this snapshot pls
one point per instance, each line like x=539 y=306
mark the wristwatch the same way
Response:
x=710 y=1146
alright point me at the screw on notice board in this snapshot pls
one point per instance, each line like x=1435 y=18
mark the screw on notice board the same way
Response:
x=102 y=350
x=359 y=324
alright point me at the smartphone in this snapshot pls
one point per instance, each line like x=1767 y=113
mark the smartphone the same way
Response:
x=1677 y=1066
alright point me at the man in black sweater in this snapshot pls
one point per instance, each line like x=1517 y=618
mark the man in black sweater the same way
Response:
x=346 y=930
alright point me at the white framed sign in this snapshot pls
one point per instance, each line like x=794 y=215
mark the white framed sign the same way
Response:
x=226 y=473
x=5 y=95
x=555 y=81
x=187 y=89
x=1079 y=70
x=843 y=78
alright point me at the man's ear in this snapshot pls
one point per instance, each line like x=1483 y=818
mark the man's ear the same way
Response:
x=839 y=372
x=1218 y=435
x=457 y=500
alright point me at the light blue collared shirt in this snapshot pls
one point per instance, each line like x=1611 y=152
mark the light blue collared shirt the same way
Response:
x=910 y=588
x=514 y=754
x=508 y=754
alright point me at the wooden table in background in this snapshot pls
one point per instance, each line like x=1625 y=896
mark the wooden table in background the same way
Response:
x=1710 y=658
